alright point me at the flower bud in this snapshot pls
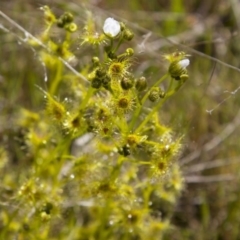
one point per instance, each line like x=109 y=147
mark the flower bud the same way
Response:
x=162 y=94
x=71 y=27
x=45 y=217
x=65 y=21
x=141 y=84
x=154 y=94
x=126 y=83
x=112 y=55
x=67 y=17
x=60 y=23
x=125 y=150
x=95 y=61
x=122 y=26
x=96 y=83
x=184 y=63
x=106 y=82
x=100 y=72
x=178 y=68
x=184 y=77
x=128 y=35
x=48 y=15
x=129 y=52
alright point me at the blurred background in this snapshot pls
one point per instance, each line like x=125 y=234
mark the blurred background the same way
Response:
x=205 y=111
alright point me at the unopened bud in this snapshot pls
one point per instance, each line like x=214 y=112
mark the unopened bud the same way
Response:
x=100 y=72
x=67 y=17
x=129 y=51
x=154 y=94
x=71 y=27
x=96 y=83
x=141 y=84
x=126 y=83
x=128 y=35
x=95 y=61
x=178 y=68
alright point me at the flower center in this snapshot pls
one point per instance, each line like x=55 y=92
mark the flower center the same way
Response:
x=116 y=68
x=123 y=103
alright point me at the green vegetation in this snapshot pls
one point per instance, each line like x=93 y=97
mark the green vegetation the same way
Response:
x=107 y=132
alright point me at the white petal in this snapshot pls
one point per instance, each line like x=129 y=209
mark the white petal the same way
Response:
x=184 y=63
x=111 y=27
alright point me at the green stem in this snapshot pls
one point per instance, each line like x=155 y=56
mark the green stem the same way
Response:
x=86 y=98
x=111 y=43
x=139 y=108
x=122 y=124
x=57 y=79
x=118 y=45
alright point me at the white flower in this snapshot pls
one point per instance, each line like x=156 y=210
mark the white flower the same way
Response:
x=184 y=63
x=111 y=27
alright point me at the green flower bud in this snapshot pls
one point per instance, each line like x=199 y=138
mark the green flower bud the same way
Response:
x=184 y=77
x=112 y=55
x=71 y=27
x=96 y=83
x=65 y=21
x=45 y=217
x=67 y=17
x=60 y=23
x=106 y=82
x=95 y=61
x=100 y=72
x=48 y=15
x=122 y=26
x=154 y=94
x=47 y=207
x=126 y=83
x=162 y=94
x=178 y=68
x=129 y=52
x=141 y=84
x=128 y=35
x=125 y=150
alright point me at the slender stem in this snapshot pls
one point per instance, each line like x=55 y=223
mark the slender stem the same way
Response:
x=29 y=35
x=111 y=43
x=86 y=98
x=149 y=116
x=139 y=109
x=118 y=45
x=170 y=85
x=57 y=79
x=124 y=125
x=154 y=85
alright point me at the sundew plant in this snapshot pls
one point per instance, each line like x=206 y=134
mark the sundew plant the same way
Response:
x=101 y=164
x=96 y=161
